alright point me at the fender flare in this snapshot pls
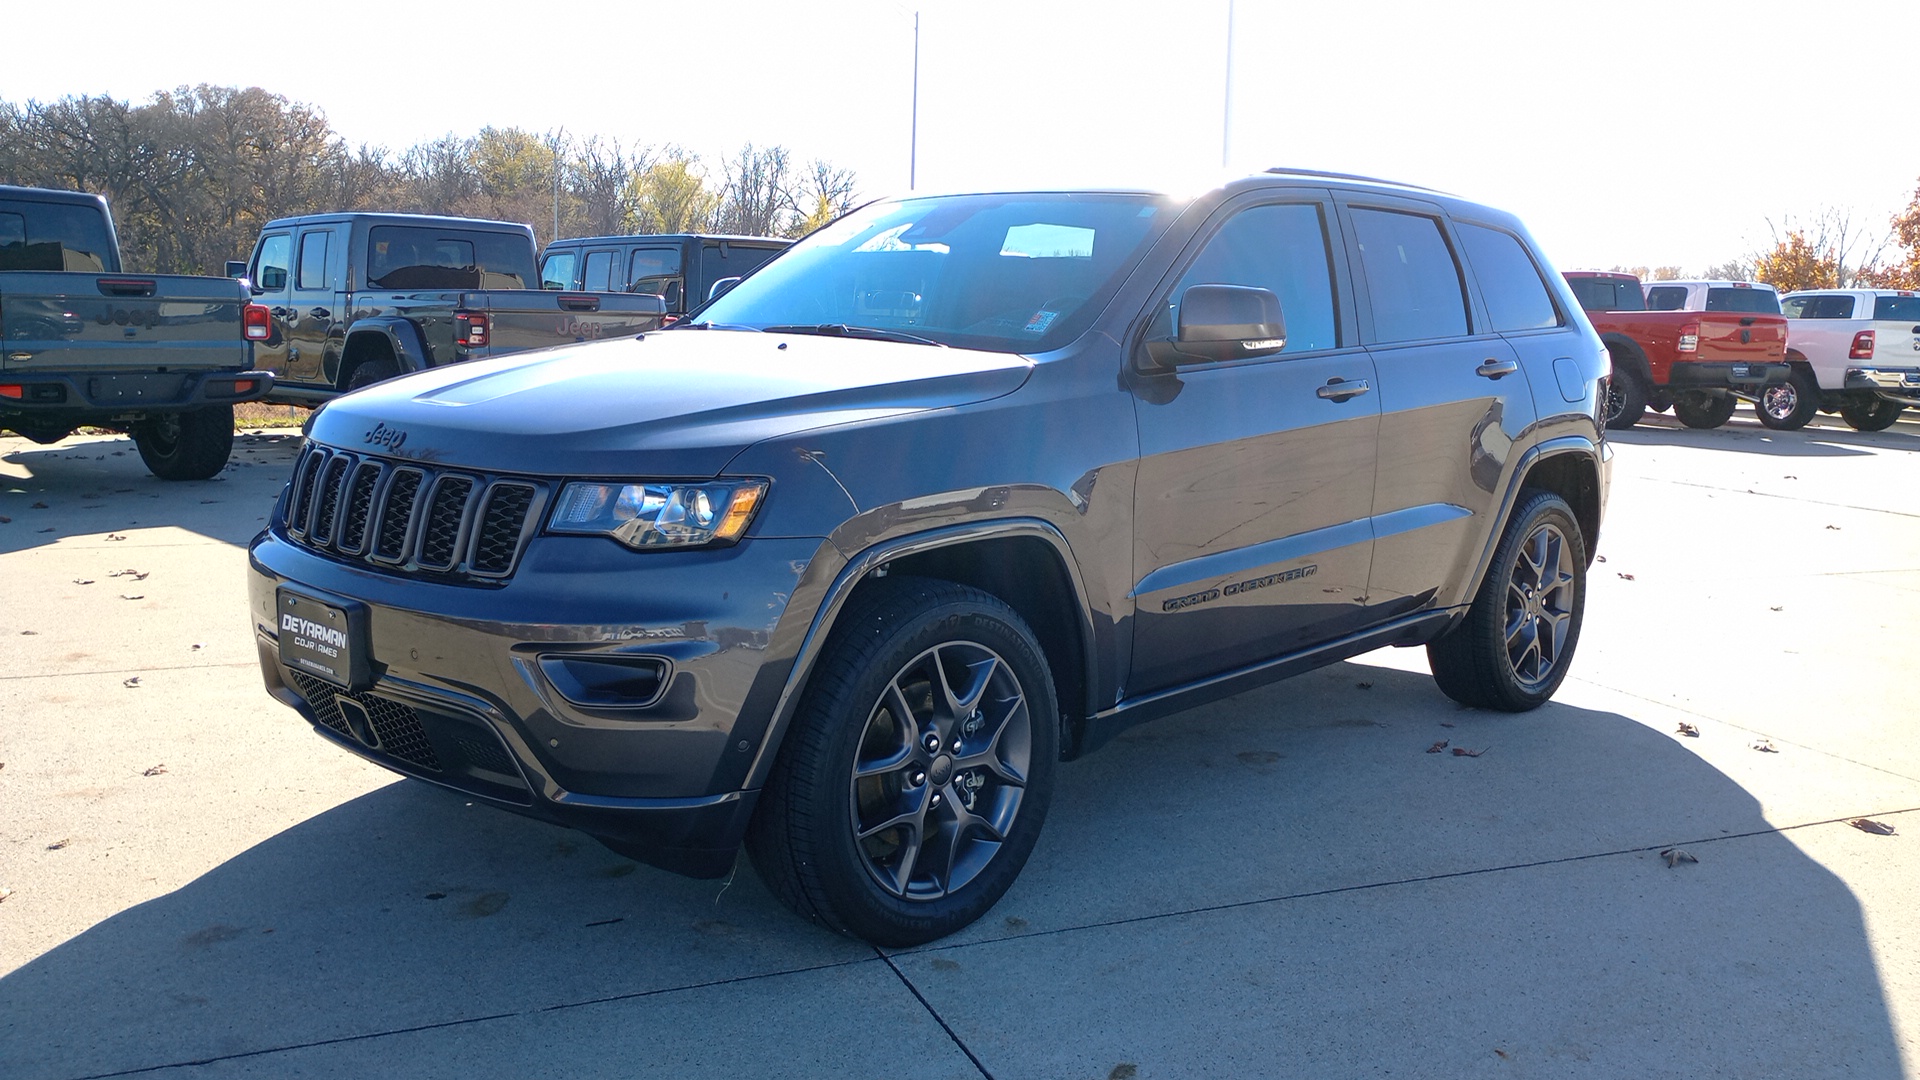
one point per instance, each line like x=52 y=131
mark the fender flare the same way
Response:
x=856 y=569
x=1636 y=356
x=402 y=337
x=1554 y=447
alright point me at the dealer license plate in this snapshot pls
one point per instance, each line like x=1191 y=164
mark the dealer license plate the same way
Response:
x=322 y=639
x=1740 y=371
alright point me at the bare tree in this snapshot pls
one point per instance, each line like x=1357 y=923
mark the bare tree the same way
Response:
x=755 y=199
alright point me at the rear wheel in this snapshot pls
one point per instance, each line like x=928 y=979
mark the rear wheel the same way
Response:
x=1517 y=640
x=191 y=445
x=1877 y=414
x=370 y=372
x=1704 y=410
x=915 y=779
x=1788 y=405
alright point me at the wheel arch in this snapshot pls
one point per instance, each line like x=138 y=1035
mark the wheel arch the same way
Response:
x=390 y=339
x=1569 y=467
x=1620 y=345
x=1025 y=562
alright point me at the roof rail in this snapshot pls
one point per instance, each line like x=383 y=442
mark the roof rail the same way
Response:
x=1283 y=170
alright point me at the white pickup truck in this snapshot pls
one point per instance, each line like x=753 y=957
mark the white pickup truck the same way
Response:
x=1852 y=351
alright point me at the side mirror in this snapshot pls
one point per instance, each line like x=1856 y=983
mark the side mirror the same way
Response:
x=720 y=287
x=236 y=269
x=1222 y=322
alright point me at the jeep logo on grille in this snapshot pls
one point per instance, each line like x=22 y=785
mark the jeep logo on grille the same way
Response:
x=382 y=435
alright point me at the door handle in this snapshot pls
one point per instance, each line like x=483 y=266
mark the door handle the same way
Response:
x=321 y=313
x=1342 y=389
x=280 y=312
x=1497 y=369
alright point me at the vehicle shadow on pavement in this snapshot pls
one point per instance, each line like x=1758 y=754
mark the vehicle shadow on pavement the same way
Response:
x=1288 y=878
x=1752 y=438
x=91 y=484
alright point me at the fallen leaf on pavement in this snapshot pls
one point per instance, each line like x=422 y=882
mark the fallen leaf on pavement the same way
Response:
x=1627 y=577
x=135 y=681
x=29 y=633
x=5 y=520
x=1599 y=558
x=137 y=575
x=1835 y=528
x=1461 y=751
x=4 y=893
x=83 y=581
x=57 y=845
x=115 y=536
x=1443 y=723
x=47 y=529
x=1775 y=607
x=1877 y=828
x=1363 y=686
x=1688 y=730
x=1765 y=746
x=155 y=771
x=1437 y=747
x=136 y=596
x=43 y=506
x=1676 y=856
x=198 y=645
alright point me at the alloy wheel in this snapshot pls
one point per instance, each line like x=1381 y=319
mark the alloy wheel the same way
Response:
x=1540 y=596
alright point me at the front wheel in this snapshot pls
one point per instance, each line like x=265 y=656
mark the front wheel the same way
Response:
x=191 y=445
x=1704 y=411
x=1787 y=406
x=1877 y=414
x=914 y=781
x=1517 y=640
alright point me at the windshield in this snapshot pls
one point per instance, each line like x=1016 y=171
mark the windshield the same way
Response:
x=1004 y=273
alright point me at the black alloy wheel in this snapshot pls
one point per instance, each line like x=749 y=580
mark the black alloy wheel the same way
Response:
x=1517 y=640
x=1626 y=399
x=914 y=780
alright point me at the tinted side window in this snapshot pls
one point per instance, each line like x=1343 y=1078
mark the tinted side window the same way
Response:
x=417 y=257
x=1517 y=299
x=1666 y=298
x=658 y=271
x=270 y=270
x=1607 y=294
x=598 y=274
x=1412 y=280
x=557 y=271
x=1818 y=307
x=1751 y=301
x=313 y=260
x=1897 y=308
x=1282 y=249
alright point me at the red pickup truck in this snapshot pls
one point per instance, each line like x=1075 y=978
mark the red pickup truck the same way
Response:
x=1709 y=344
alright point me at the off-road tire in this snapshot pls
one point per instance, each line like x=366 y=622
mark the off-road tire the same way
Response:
x=1709 y=411
x=1475 y=662
x=843 y=742
x=370 y=372
x=1626 y=400
x=1788 y=405
x=191 y=445
x=1878 y=414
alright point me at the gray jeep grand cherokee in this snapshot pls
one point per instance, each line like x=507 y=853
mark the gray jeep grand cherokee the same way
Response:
x=953 y=490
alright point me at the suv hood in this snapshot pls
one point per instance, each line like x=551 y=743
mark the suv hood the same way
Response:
x=679 y=404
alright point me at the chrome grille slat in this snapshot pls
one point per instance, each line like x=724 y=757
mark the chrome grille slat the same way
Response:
x=411 y=519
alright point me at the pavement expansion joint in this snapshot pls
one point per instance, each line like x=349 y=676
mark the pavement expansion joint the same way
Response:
x=246 y=664
x=933 y=1012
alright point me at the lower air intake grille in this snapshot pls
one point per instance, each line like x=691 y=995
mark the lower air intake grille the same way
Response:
x=396 y=727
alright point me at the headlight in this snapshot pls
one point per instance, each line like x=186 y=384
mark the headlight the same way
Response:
x=659 y=515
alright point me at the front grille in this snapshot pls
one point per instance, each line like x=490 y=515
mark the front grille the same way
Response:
x=396 y=726
x=411 y=519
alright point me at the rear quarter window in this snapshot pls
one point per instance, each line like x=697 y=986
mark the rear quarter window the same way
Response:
x=1510 y=283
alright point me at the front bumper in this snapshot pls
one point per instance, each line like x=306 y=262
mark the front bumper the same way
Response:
x=457 y=694
x=1745 y=377
x=1900 y=385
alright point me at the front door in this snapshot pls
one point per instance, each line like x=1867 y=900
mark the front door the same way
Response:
x=1453 y=398
x=312 y=344
x=1256 y=476
x=272 y=274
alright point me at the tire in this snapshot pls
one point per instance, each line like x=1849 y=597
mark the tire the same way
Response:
x=841 y=832
x=1517 y=640
x=1704 y=411
x=1877 y=414
x=191 y=445
x=1626 y=398
x=1788 y=405
x=370 y=372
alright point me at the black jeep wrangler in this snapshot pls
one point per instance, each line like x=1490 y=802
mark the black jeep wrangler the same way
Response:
x=957 y=488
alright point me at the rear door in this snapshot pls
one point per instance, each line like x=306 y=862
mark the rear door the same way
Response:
x=659 y=269
x=315 y=317
x=1452 y=396
x=1256 y=476
x=600 y=270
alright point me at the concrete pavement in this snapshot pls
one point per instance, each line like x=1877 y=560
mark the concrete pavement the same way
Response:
x=1281 y=884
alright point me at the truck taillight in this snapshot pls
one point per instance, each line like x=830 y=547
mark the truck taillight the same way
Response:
x=256 y=323
x=1862 y=346
x=1690 y=337
x=470 y=329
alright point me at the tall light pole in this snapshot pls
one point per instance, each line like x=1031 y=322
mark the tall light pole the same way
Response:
x=913 y=137
x=1226 y=123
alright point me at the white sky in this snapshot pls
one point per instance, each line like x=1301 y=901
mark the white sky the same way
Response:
x=1622 y=132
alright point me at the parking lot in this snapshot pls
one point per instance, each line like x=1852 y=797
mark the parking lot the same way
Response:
x=1299 y=881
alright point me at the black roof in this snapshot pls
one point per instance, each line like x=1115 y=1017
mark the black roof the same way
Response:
x=633 y=237
x=377 y=218
x=34 y=194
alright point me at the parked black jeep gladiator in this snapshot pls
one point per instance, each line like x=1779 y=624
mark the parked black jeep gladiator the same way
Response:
x=357 y=298
x=953 y=490
x=681 y=268
x=158 y=356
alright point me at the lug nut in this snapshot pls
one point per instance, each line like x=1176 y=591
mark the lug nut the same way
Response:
x=956 y=746
x=936 y=800
x=932 y=740
x=919 y=778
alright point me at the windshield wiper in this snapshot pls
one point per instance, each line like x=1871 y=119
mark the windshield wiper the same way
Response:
x=843 y=330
